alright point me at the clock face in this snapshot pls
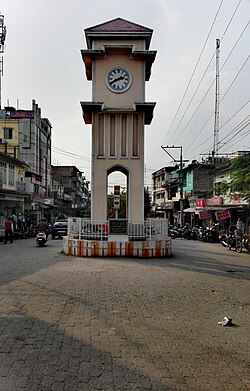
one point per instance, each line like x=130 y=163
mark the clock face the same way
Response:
x=118 y=79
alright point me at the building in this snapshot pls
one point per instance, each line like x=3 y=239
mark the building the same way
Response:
x=165 y=188
x=13 y=191
x=25 y=135
x=69 y=189
x=205 y=189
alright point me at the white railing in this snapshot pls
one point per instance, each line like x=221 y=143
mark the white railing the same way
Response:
x=81 y=228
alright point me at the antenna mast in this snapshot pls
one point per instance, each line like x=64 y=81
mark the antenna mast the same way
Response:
x=217 y=98
x=3 y=32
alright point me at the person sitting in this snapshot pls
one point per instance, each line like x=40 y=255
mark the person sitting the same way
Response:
x=232 y=228
x=43 y=226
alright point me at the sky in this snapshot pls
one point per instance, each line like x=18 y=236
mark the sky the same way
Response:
x=42 y=61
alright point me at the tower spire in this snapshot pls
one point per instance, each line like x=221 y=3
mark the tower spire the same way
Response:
x=3 y=32
x=217 y=98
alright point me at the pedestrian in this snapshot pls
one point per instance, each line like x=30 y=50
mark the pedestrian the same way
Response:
x=28 y=224
x=240 y=226
x=8 y=230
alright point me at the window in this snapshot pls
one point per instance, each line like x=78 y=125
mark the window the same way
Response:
x=124 y=136
x=8 y=133
x=11 y=175
x=135 y=137
x=112 y=140
x=3 y=173
x=100 y=139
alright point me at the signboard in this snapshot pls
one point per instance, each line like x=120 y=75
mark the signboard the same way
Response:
x=116 y=196
x=116 y=202
x=236 y=200
x=200 y=203
x=217 y=200
x=2 y=114
x=222 y=214
x=204 y=214
x=20 y=114
x=167 y=205
x=118 y=227
x=24 y=129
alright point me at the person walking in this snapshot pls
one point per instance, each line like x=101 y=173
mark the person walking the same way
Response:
x=8 y=230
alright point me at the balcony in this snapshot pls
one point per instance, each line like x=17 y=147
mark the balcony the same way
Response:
x=21 y=186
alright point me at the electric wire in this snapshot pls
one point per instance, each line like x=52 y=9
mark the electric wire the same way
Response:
x=197 y=63
x=220 y=99
x=211 y=136
x=223 y=35
x=229 y=55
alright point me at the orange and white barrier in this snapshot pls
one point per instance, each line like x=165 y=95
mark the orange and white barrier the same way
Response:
x=140 y=249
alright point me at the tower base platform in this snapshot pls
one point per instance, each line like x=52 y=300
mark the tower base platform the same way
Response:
x=139 y=249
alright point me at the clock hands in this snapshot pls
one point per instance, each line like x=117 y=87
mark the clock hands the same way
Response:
x=117 y=79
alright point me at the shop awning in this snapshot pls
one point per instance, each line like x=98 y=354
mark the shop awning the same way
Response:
x=189 y=210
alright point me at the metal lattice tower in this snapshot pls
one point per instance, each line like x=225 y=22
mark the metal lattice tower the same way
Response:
x=217 y=98
x=2 y=40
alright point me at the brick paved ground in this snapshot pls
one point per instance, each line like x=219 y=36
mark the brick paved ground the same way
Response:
x=118 y=324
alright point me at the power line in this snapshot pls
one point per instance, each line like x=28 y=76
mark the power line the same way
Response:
x=207 y=68
x=151 y=160
x=211 y=87
x=196 y=65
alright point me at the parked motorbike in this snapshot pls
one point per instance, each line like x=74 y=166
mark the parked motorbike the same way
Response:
x=202 y=234
x=175 y=232
x=187 y=232
x=245 y=242
x=41 y=238
x=224 y=239
x=194 y=233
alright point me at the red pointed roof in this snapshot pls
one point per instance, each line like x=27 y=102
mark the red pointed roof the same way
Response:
x=116 y=29
x=118 y=24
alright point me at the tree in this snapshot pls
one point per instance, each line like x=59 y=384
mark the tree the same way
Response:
x=110 y=206
x=240 y=177
x=147 y=203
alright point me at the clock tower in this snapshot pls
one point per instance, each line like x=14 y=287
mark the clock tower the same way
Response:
x=118 y=62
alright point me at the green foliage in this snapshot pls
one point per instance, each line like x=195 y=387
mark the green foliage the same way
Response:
x=240 y=176
x=110 y=206
x=221 y=188
x=122 y=213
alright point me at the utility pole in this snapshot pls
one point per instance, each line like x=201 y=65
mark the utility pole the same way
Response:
x=180 y=174
x=3 y=32
x=217 y=98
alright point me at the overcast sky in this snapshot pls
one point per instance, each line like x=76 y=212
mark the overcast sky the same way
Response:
x=42 y=61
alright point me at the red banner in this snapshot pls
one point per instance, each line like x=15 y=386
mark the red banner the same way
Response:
x=222 y=214
x=204 y=214
x=200 y=203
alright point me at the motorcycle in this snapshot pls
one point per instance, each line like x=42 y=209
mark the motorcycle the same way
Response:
x=245 y=242
x=175 y=232
x=187 y=232
x=224 y=239
x=233 y=240
x=41 y=238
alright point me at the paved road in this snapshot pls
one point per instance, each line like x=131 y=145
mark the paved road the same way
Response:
x=76 y=324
